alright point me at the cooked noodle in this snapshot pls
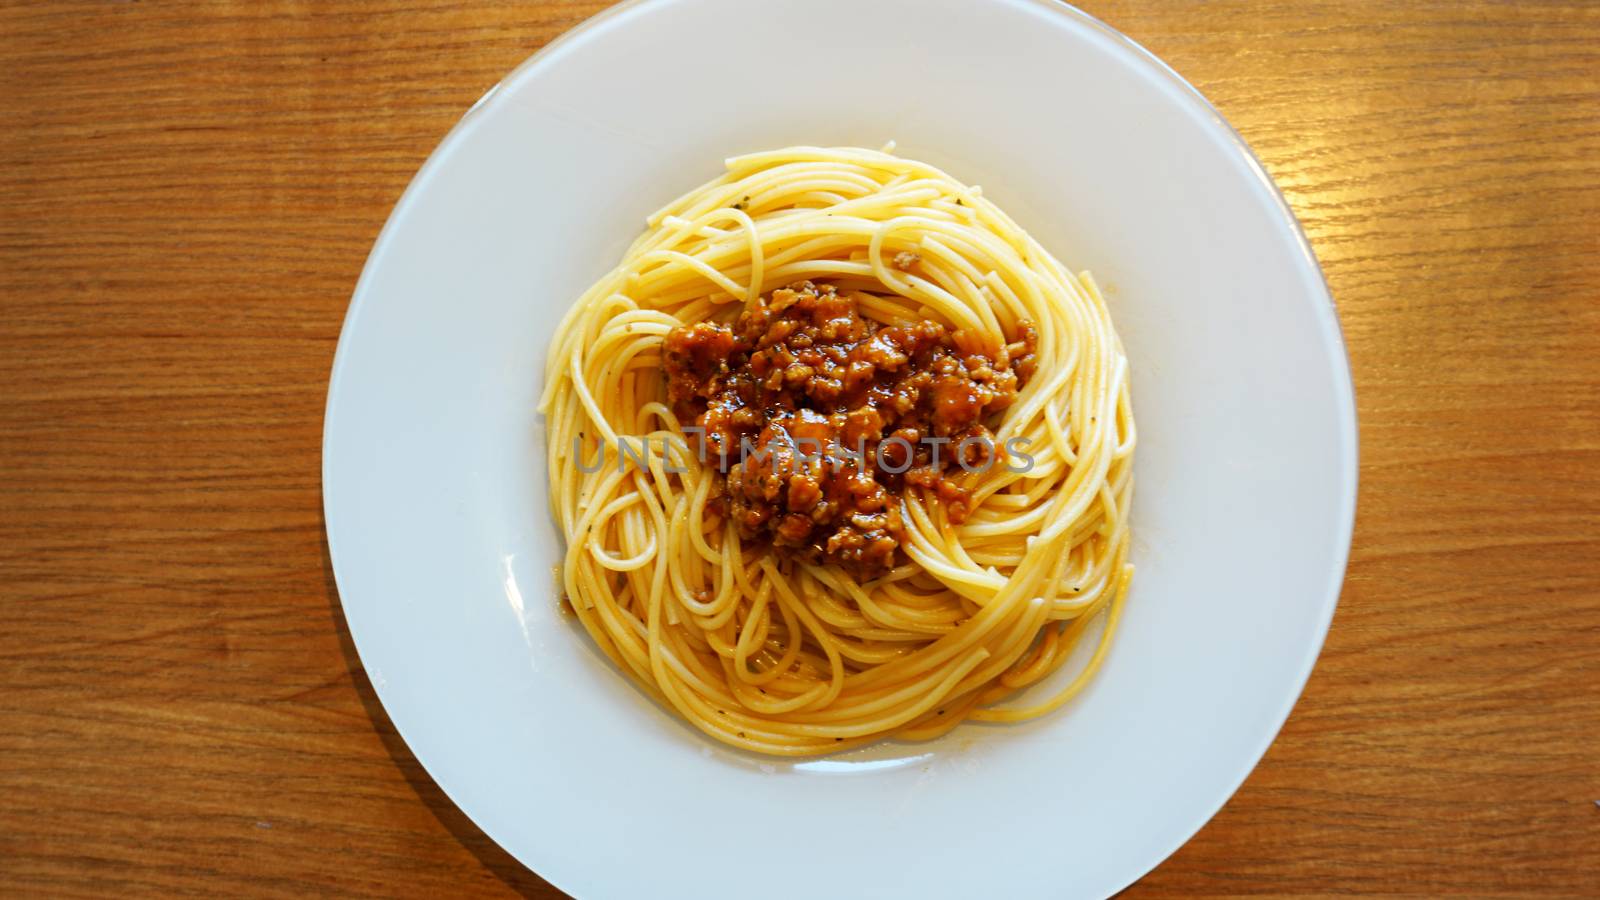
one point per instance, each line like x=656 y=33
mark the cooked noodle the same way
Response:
x=793 y=656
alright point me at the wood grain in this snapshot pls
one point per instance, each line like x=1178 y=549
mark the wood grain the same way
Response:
x=188 y=192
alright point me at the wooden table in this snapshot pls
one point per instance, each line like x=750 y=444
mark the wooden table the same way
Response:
x=188 y=192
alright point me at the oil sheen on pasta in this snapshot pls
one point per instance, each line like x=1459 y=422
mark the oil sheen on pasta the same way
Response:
x=791 y=605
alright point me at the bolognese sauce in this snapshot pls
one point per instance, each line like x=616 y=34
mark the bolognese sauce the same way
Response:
x=819 y=418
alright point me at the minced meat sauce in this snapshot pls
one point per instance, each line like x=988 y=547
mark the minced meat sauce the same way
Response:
x=801 y=400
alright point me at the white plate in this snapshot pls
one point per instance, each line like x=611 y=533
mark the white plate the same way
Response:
x=435 y=494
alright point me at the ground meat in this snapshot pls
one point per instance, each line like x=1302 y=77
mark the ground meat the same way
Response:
x=836 y=415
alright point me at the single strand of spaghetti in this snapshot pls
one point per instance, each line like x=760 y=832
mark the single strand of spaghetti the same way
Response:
x=697 y=528
x=1009 y=491
x=1077 y=684
x=752 y=697
x=1058 y=570
x=720 y=641
x=732 y=561
x=955 y=208
x=1074 y=498
x=920 y=546
x=976 y=585
x=768 y=655
x=956 y=285
x=685 y=570
x=1010 y=646
x=939 y=602
x=630 y=532
x=785 y=598
x=687 y=678
x=752 y=237
x=953 y=280
x=1108 y=509
x=562 y=468
x=954 y=549
x=1094 y=585
x=612 y=619
x=755 y=185
x=696 y=228
x=683 y=263
x=832 y=612
x=657 y=450
x=746 y=731
x=596 y=417
x=566 y=332
x=750 y=642
x=692 y=309
x=672 y=432
x=816 y=269
x=1012 y=522
x=685 y=574
x=883 y=644
x=804 y=175
x=1059 y=436
x=610 y=561
x=988 y=255
x=907 y=573
x=1066 y=637
x=642 y=320
x=842 y=586
x=614 y=395
x=724 y=604
x=881 y=203
x=859 y=653
x=691 y=644
x=765 y=703
x=864 y=159
x=1005 y=297
x=842 y=233
x=984 y=620
x=1032 y=399
x=1033 y=665
x=885 y=309
x=785 y=188
x=942 y=248
x=599 y=493
x=1125 y=428
x=726 y=708
x=818 y=199
x=866 y=705
x=802 y=248
x=906 y=619
x=931 y=697
x=951 y=713
x=931 y=619
x=957 y=313
x=756 y=637
x=1008 y=547
x=797 y=249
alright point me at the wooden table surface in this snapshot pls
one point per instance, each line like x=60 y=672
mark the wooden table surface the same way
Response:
x=188 y=192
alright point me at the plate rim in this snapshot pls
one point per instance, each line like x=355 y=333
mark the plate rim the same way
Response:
x=1330 y=330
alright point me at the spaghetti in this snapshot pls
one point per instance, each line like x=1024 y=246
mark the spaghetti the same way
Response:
x=996 y=574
